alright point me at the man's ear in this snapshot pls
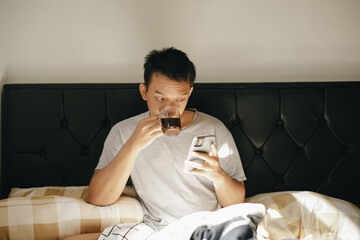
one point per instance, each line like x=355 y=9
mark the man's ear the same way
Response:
x=143 y=91
x=191 y=90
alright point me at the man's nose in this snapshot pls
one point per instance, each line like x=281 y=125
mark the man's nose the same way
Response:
x=172 y=104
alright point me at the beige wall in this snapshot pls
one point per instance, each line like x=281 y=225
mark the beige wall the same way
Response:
x=3 y=40
x=230 y=40
x=3 y=17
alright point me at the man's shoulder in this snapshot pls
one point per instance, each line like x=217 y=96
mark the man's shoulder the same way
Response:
x=129 y=122
x=204 y=117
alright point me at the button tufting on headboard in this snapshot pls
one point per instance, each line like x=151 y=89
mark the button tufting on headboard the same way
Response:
x=291 y=136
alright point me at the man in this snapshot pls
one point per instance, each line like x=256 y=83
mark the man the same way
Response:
x=137 y=147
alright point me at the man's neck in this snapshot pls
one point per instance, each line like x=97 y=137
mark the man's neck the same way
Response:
x=186 y=118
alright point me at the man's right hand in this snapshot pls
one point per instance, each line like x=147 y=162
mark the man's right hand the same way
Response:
x=145 y=132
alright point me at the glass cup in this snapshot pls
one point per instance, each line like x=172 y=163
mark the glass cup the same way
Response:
x=170 y=120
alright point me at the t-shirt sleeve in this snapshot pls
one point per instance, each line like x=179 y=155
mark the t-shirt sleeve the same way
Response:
x=112 y=145
x=228 y=154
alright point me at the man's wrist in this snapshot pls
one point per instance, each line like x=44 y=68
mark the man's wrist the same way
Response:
x=131 y=148
x=221 y=179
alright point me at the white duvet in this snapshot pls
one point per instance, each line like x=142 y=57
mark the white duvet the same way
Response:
x=184 y=227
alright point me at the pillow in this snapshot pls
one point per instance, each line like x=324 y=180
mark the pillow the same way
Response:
x=307 y=215
x=76 y=192
x=56 y=217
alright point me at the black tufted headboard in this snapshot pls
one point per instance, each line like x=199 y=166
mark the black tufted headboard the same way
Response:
x=291 y=136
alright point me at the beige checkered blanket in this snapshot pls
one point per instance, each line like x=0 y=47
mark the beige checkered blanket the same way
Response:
x=40 y=213
x=75 y=192
x=307 y=215
x=289 y=215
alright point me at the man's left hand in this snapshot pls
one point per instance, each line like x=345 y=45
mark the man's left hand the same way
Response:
x=210 y=168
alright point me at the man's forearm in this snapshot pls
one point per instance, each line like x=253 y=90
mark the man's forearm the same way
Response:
x=230 y=191
x=107 y=184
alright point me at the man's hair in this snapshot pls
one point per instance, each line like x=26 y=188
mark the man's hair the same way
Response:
x=170 y=62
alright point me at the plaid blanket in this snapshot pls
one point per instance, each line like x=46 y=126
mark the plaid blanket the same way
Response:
x=75 y=192
x=307 y=216
x=56 y=217
x=39 y=214
x=289 y=215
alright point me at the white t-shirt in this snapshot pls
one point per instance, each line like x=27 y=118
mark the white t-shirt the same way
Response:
x=167 y=193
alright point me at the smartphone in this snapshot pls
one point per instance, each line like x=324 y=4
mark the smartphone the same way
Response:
x=199 y=144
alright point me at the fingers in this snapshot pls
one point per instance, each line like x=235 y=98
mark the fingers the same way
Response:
x=151 y=118
x=211 y=162
x=202 y=167
x=196 y=171
x=209 y=159
x=157 y=133
x=214 y=151
x=154 y=126
x=146 y=131
x=151 y=124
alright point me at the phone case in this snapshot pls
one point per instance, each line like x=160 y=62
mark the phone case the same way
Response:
x=199 y=144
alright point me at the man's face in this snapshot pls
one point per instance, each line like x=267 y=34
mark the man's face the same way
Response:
x=162 y=92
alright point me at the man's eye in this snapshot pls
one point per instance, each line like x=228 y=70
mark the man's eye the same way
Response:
x=161 y=99
x=180 y=99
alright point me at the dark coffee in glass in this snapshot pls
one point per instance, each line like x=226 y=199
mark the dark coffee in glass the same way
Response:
x=170 y=120
x=171 y=126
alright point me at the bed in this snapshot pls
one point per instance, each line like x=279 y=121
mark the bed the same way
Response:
x=299 y=144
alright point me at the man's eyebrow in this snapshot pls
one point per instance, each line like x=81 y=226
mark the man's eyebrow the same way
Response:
x=158 y=92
